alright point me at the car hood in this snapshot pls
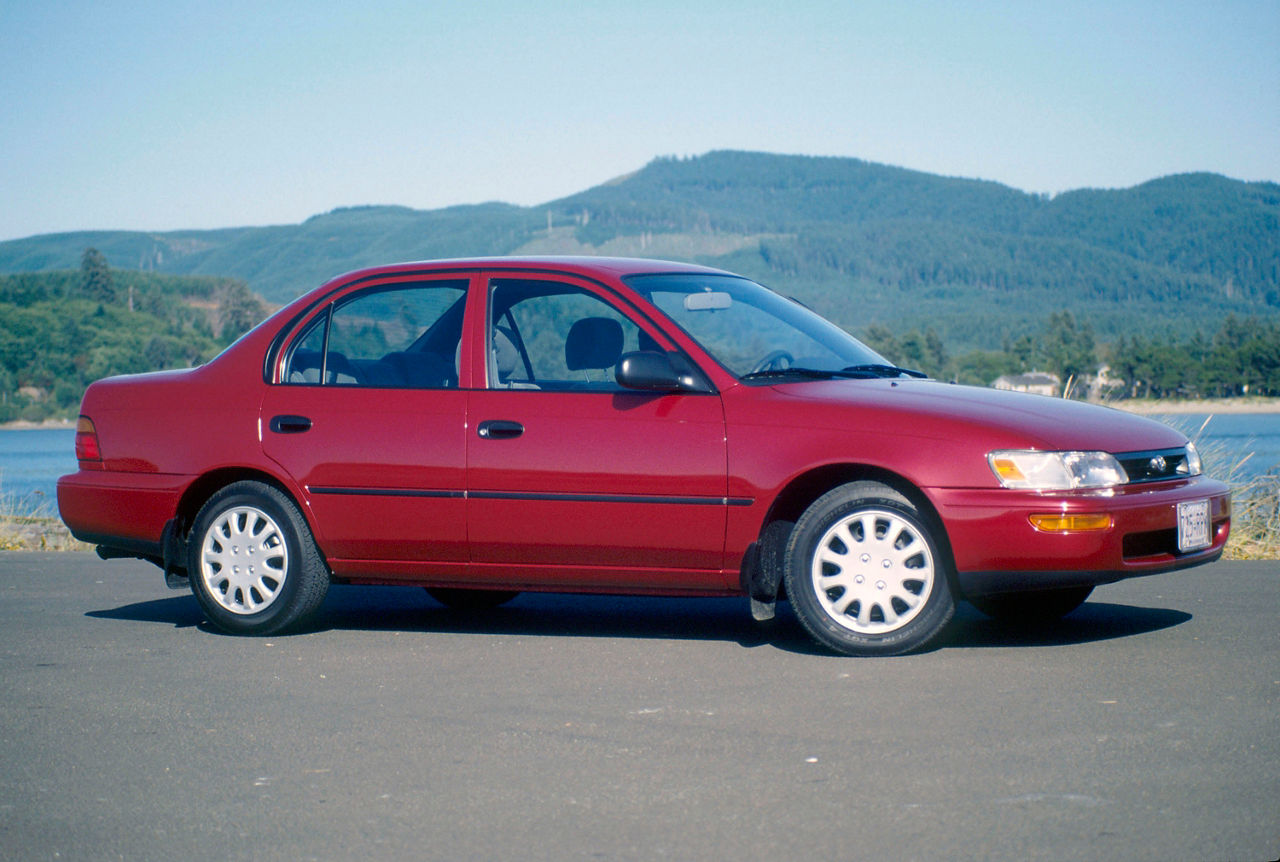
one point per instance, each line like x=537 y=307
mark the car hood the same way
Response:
x=928 y=408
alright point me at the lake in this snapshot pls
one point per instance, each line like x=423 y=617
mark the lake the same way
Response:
x=30 y=463
x=32 y=460
x=1229 y=437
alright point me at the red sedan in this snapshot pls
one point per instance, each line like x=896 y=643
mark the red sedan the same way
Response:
x=482 y=427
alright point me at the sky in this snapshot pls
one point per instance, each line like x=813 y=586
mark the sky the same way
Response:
x=170 y=115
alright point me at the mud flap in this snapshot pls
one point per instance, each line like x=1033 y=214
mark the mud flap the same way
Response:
x=763 y=571
x=175 y=556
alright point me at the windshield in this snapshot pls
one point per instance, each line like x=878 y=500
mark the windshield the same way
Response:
x=753 y=331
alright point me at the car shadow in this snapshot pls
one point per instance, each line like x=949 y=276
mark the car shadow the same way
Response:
x=1091 y=622
x=179 y=611
x=548 y=615
x=350 y=608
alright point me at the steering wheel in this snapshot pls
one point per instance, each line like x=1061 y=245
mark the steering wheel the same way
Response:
x=774 y=360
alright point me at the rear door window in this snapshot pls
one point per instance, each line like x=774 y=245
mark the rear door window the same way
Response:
x=398 y=337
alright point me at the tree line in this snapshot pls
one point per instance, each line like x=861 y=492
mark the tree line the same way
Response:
x=60 y=331
x=1241 y=358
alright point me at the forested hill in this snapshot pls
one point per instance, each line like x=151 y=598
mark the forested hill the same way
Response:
x=864 y=243
x=61 y=330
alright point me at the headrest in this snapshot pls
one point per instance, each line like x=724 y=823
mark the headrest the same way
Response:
x=593 y=342
x=505 y=355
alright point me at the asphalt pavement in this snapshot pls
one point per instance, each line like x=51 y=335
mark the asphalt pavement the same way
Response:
x=1142 y=726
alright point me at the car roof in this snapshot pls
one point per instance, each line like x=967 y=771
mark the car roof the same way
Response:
x=571 y=264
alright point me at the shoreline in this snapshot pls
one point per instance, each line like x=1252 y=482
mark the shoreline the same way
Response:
x=42 y=425
x=1146 y=407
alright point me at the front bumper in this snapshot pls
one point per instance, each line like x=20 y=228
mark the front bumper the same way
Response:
x=996 y=548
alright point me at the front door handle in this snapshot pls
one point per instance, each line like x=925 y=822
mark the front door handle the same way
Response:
x=499 y=429
x=290 y=424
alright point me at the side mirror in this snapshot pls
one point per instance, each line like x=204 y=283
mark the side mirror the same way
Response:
x=651 y=371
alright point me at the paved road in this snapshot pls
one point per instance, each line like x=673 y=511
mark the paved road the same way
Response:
x=1144 y=726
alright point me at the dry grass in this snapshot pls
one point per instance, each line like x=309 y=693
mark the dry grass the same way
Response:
x=1255 y=520
x=1255 y=500
x=32 y=525
x=24 y=533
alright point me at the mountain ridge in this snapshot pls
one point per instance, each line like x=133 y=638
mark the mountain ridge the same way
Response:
x=862 y=242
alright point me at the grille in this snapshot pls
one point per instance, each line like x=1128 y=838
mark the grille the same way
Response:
x=1154 y=466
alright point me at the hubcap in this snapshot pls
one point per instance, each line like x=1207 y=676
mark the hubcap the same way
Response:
x=873 y=571
x=243 y=560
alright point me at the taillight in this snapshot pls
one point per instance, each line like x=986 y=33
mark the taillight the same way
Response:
x=87 y=448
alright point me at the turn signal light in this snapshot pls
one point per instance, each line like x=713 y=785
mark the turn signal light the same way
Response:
x=1058 y=523
x=87 y=448
x=1007 y=470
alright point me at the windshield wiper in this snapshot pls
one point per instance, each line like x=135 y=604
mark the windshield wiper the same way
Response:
x=851 y=372
x=872 y=370
x=794 y=371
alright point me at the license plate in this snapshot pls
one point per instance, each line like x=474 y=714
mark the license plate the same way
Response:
x=1193 y=526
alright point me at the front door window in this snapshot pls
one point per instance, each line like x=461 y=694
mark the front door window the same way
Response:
x=555 y=337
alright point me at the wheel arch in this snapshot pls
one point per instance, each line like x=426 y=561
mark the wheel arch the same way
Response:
x=801 y=492
x=208 y=484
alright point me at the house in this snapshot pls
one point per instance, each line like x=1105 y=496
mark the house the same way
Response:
x=1035 y=382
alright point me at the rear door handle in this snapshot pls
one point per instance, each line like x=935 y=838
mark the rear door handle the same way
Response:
x=290 y=424
x=499 y=429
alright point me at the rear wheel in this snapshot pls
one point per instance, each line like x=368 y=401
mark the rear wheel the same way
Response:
x=471 y=600
x=253 y=564
x=865 y=574
x=1040 y=606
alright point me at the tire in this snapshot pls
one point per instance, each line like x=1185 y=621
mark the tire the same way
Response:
x=865 y=572
x=253 y=564
x=471 y=600
x=1040 y=606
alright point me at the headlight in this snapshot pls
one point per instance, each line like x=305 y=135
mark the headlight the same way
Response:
x=1191 y=466
x=1056 y=471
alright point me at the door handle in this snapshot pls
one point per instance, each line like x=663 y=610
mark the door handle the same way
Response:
x=499 y=429
x=290 y=424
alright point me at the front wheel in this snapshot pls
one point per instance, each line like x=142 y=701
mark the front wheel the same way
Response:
x=253 y=564
x=865 y=572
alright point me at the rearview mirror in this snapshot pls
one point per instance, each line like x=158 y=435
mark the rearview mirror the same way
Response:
x=710 y=300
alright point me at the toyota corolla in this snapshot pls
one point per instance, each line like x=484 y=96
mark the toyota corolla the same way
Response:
x=485 y=427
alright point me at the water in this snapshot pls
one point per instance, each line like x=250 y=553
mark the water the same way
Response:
x=1229 y=437
x=30 y=464
x=31 y=461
